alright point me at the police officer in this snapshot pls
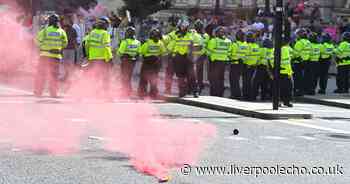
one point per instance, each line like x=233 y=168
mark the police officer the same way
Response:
x=343 y=64
x=169 y=71
x=181 y=49
x=327 y=51
x=99 y=55
x=200 y=44
x=219 y=49
x=151 y=51
x=302 y=49
x=249 y=68
x=128 y=51
x=312 y=66
x=51 y=41
x=262 y=79
x=238 y=55
x=286 y=73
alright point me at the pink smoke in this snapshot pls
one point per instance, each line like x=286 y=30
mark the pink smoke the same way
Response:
x=16 y=48
x=154 y=145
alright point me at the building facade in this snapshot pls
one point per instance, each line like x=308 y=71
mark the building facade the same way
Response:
x=328 y=8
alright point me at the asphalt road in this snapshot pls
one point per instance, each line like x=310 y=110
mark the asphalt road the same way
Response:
x=322 y=142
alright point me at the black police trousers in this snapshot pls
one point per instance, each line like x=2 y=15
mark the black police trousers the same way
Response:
x=200 y=71
x=343 y=78
x=169 y=74
x=184 y=71
x=286 y=86
x=47 y=69
x=310 y=81
x=217 y=78
x=323 y=74
x=261 y=82
x=127 y=68
x=248 y=75
x=235 y=80
x=298 y=75
x=149 y=75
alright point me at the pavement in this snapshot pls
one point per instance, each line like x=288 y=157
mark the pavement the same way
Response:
x=261 y=110
x=320 y=143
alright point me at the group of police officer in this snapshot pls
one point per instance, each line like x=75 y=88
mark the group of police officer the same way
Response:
x=249 y=58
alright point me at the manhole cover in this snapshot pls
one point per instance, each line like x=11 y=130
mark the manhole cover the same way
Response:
x=332 y=136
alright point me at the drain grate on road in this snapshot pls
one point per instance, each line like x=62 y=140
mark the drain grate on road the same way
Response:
x=338 y=137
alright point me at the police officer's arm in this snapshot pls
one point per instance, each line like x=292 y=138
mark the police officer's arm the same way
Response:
x=143 y=49
x=298 y=47
x=122 y=48
x=211 y=45
x=108 y=47
x=40 y=37
x=233 y=52
x=171 y=45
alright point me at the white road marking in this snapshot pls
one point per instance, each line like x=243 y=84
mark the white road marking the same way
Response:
x=237 y=138
x=15 y=149
x=96 y=138
x=274 y=137
x=15 y=90
x=307 y=137
x=79 y=120
x=190 y=120
x=296 y=123
x=228 y=120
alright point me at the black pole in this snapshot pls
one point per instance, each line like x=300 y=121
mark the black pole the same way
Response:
x=278 y=44
x=267 y=7
x=217 y=7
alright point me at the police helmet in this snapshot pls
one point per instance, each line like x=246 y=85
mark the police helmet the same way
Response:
x=155 y=34
x=198 y=25
x=105 y=19
x=130 y=32
x=314 y=37
x=250 y=37
x=183 y=24
x=302 y=34
x=54 y=19
x=346 y=36
x=220 y=31
x=240 y=36
x=326 y=37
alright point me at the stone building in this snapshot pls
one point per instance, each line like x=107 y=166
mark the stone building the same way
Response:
x=328 y=8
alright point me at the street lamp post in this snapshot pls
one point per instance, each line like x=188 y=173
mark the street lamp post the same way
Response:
x=278 y=44
x=217 y=7
x=267 y=7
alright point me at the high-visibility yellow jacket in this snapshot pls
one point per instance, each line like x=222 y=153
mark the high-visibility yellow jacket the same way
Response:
x=267 y=56
x=303 y=49
x=315 y=53
x=51 y=41
x=130 y=47
x=181 y=45
x=253 y=54
x=327 y=50
x=343 y=53
x=98 y=45
x=152 y=48
x=219 y=49
x=286 y=60
x=286 y=65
